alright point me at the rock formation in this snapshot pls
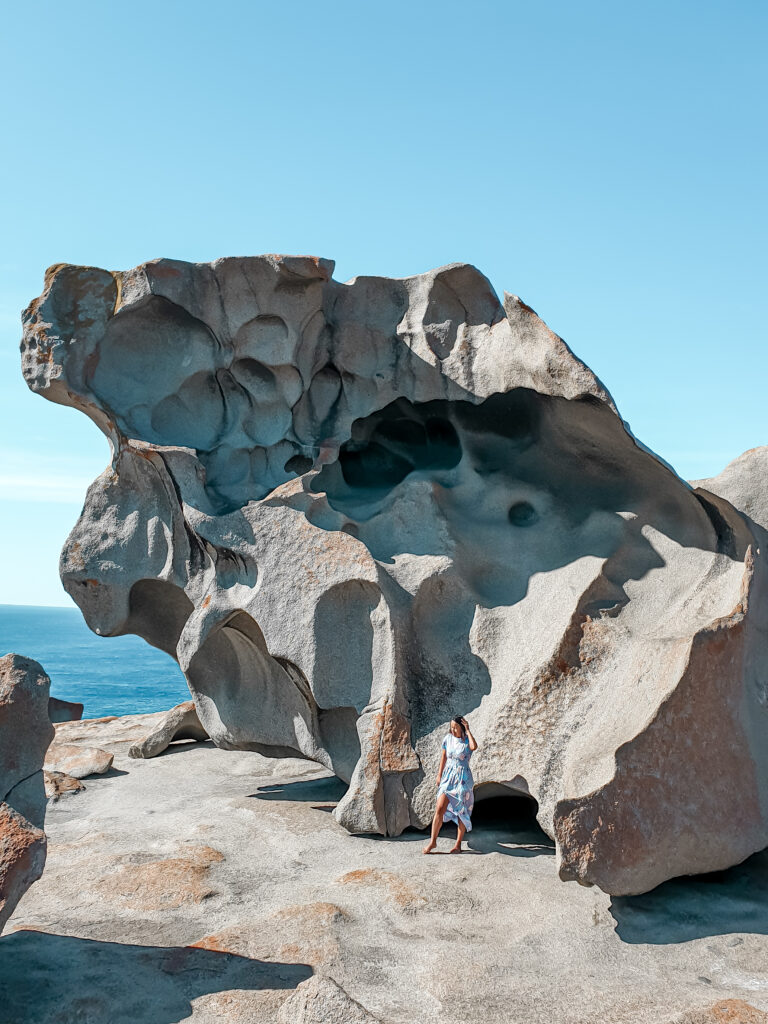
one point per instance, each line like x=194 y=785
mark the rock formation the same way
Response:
x=25 y=732
x=180 y=723
x=351 y=511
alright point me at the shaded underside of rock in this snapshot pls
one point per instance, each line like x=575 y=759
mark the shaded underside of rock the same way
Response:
x=352 y=511
x=25 y=732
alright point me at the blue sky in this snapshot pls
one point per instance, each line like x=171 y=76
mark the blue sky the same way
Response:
x=605 y=161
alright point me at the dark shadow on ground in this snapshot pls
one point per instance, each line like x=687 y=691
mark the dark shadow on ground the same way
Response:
x=179 y=746
x=46 y=977
x=325 y=790
x=501 y=824
x=507 y=824
x=698 y=906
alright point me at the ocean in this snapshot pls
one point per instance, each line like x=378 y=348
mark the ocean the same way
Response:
x=120 y=675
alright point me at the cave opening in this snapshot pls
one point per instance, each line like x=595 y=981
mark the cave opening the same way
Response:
x=504 y=821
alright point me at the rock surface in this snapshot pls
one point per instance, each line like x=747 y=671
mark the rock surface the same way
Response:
x=180 y=723
x=25 y=732
x=352 y=511
x=273 y=891
x=319 y=1000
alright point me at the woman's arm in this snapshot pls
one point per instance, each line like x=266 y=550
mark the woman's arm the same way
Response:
x=470 y=737
x=442 y=765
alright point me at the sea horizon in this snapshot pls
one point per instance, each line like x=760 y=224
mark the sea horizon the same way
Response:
x=119 y=675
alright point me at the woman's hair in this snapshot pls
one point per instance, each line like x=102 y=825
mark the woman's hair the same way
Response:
x=460 y=722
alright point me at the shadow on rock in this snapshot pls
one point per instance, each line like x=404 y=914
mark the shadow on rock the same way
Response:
x=698 y=906
x=47 y=977
x=326 y=790
x=182 y=746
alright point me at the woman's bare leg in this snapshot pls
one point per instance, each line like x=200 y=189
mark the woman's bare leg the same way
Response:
x=456 y=848
x=442 y=803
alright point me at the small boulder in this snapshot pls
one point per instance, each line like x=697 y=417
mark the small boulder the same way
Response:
x=79 y=762
x=57 y=785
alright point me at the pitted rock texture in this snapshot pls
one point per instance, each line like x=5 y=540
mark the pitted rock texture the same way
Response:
x=352 y=511
x=25 y=732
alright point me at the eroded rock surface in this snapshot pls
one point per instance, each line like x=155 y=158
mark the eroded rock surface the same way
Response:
x=25 y=732
x=351 y=511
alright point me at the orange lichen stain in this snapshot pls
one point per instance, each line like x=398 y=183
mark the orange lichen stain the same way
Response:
x=206 y=601
x=162 y=884
x=736 y=1011
x=310 y=913
x=216 y=943
x=397 y=889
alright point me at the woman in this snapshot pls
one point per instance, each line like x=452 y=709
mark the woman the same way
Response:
x=455 y=795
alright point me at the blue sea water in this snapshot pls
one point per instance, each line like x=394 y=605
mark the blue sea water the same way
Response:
x=120 y=675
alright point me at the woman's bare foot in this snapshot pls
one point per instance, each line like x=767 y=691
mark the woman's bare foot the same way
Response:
x=429 y=848
x=456 y=849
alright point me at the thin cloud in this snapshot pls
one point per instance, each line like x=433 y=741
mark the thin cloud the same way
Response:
x=27 y=477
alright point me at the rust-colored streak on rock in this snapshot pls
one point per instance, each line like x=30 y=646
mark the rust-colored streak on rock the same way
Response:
x=396 y=753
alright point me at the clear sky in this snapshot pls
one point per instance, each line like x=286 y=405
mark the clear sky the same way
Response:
x=605 y=161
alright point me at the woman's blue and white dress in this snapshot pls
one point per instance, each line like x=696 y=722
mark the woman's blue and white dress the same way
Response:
x=457 y=782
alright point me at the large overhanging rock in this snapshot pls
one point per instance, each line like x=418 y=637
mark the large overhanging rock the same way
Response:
x=352 y=511
x=25 y=732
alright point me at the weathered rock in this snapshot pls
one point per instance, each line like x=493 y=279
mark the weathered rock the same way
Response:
x=351 y=511
x=25 y=732
x=64 y=710
x=319 y=1000
x=77 y=761
x=180 y=723
x=57 y=785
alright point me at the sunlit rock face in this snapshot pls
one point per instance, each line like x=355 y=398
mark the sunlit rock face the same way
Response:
x=352 y=511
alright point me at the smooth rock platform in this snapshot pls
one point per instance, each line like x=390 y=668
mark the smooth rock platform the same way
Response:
x=207 y=885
